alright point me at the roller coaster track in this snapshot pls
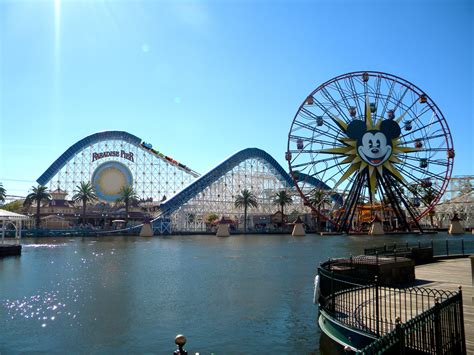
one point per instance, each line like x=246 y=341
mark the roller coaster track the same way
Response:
x=186 y=194
x=59 y=163
x=189 y=192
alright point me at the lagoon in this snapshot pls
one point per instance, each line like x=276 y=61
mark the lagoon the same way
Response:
x=111 y=295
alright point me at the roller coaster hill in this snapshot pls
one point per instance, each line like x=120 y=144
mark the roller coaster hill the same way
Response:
x=173 y=196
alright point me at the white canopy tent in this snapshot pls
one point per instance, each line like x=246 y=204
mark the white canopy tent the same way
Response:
x=15 y=219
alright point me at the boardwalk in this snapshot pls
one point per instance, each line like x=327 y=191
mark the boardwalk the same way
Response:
x=448 y=275
x=374 y=309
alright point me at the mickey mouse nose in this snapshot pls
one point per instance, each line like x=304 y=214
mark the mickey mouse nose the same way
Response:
x=375 y=150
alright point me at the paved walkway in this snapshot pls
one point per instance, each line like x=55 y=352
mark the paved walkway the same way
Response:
x=448 y=275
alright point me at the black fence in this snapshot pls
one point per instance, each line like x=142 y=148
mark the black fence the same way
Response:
x=448 y=247
x=404 y=319
x=439 y=330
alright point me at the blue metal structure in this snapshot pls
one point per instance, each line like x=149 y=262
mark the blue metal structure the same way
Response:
x=155 y=176
x=80 y=145
x=213 y=175
x=167 y=208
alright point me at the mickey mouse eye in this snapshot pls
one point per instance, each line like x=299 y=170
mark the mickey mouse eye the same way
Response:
x=378 y=143
x=371 y=143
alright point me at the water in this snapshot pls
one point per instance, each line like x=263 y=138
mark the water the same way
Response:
x=242 y=294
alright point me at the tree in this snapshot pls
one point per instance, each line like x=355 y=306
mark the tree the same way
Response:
x=3 y=193
x=319 y=198
x=14 y=206
x=282 y=198
x=39 y=193
x=127 y=195
x=84 y=192
x=246 y=199
x=211 y=218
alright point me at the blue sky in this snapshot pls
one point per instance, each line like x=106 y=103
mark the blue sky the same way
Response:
x=203 y=79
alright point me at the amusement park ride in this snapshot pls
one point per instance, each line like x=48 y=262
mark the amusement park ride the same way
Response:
x=363 y=145
x=378 y=142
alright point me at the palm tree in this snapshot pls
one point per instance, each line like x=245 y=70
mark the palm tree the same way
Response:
x=127 y=195
x=282 y=198
x=84 y=192
x=40 y=193
x=3 y=193
x=319 y=198
x=246 y=199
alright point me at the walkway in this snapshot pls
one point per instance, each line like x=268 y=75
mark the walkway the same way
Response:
x=448 y=275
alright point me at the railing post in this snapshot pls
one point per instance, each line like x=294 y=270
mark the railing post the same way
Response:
x=447 y=248
x=377 y=315
x=461 y=321
x=437 y=326
x=333 y=306
x=400 y=335
x=462 y=246
x=377 y=259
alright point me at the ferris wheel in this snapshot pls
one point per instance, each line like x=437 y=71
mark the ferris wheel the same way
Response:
x=375 y=145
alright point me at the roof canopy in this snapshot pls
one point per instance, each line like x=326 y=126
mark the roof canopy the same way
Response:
x=11 y=216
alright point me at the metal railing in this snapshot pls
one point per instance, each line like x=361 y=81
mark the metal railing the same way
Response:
x=439 y=330
x=399 y=317
x=440 y=248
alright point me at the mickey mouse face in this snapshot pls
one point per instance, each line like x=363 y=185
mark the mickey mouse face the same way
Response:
x=374 y=146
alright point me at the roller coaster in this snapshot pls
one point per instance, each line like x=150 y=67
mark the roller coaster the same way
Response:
x=183 y=197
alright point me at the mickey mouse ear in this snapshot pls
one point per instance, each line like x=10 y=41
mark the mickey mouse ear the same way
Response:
x=390 y=128
x=356 y=129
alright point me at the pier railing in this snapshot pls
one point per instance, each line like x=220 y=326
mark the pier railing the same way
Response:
x=439 y=330
x=399 y=318
x=439 y=247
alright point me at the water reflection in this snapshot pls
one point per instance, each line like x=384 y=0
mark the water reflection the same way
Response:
x=126 y=294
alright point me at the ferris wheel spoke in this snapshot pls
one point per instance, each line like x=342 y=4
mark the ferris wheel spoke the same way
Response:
x=316 y=162
x=417 y=116
x=376 y=90
x=314 y=140
x=418 y=129
x=409 y=207
x=393 y=201
x=343 y=94
x=429 y=161
x=335 y=105
x=419 y=170
x=334 y=142
x=426 y=139
x=327 y=123
x=399 y=100
x=315 y=117
x=387 y=98
x=349 y=82
x=322 y=171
